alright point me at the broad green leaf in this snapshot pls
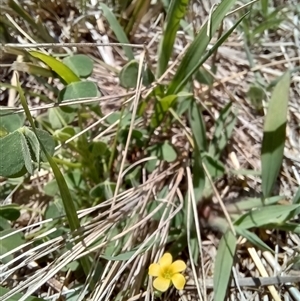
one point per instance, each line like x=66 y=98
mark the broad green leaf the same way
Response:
x=9 y=121
x=46 y=142
x=63 y=71
x=9 y=243
x=26 y=154
x=59 y=117
x=224 y=261
x=104 y=190
x=17 y=297
x=168 y=152
x=274 y=134
x=34 y=144
x=118 y=30
x=80 y=64
x=161 y=108
x=129 y=74
x=10 y=212
x=256 y=95
x=223 y=131
x=176 y=12
x=11 y=150
x=273 y=214
x=253 y=239
x=78 y=90
x=193 y=58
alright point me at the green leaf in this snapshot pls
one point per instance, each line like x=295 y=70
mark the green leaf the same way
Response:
x=34 y=144
x=274 y=134
x=118 y=30
x=199 y=136
x=129 y=74
x=223 y=131
x=80 y=64
x=274 y=214
x=47 y=142
x=161 y=108
x=168 y=152
x=9 y=243
x=10 y=212
x=17 y=297
x=40 y=28
x=9 y=121
x=11 y=150
x=65 y=194
x=198 y=126
x=296 y=199
x=58 y=67
x=104 y=190
x=26 y=154
x=223 y=265
x=176 y=12
x=251 y=203
x=194 y=56
x=253 y=239
x=61 y=117
x=214 y=166
x=75 y=91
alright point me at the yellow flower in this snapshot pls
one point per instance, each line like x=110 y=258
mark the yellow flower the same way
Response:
x=167 y=272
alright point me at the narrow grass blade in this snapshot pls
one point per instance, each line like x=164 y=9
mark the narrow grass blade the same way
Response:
x=58 y=67
x=176 y=12
x=41 y=30
x=193 y=57
x=118 y=30
x=198 y=126
x=253 y=239
x=62 y=185
x=274 y=134
x=223 y=265
x=224 y=128
x=198 y=130
x=296 y=199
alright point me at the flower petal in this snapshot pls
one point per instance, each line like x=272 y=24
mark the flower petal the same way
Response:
x=154 y=269
x=179 y=281
x=178 y=266
x=161 y=284
x=166 y=260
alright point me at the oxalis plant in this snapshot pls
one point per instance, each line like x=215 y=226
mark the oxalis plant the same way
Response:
x=118 y=213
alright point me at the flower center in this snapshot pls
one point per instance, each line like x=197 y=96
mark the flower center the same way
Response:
x=167 y=273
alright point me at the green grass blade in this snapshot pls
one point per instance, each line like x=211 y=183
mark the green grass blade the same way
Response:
x=296 y=198
x=253 y=239
x=273 y=214
x=68 y=203
x=198 y=130
x=193 y=57
x=223 y=265
x=118 y=30
x=175 y=13
x=274 y=134
x=63 y=71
